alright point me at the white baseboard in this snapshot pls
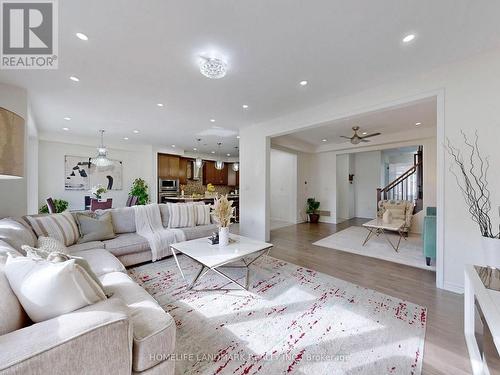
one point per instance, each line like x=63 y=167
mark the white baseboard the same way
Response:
x=453 y=287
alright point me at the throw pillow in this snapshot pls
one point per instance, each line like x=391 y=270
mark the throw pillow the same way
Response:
x=95 y=228
x=202 y=214
x=46 y=246
x=181 y=215
x=61 y=226
x=47 y=290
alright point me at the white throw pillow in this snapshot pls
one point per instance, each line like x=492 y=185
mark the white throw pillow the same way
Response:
x=202 y=214
x=47 y=290
x=181 y=215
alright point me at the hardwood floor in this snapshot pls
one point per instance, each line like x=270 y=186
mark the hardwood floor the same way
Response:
x=445 y=351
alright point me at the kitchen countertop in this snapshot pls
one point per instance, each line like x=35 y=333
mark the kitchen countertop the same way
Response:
x=197 y=198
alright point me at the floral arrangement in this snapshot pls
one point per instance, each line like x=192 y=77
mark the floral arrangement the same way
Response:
x=222 y=211
x=98 y=191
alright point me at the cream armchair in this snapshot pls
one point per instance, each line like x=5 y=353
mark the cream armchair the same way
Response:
x=400 y=209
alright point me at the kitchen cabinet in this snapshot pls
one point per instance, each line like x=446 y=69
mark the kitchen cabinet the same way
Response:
x=168 y=166
x=233 y=178
x=183 y=162
x=212 y=175
x=172 y=167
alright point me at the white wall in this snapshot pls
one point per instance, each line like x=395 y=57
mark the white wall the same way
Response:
x=345 y=189
x=467 y=93
x=283 y=186
x=366 y=182
x=13 y=193
x=137 y=163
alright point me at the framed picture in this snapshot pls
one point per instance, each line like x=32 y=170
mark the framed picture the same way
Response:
x=76 y=173
x=110 y=177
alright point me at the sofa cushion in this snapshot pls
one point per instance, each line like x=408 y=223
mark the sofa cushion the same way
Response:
x=181 y=215
x=59 y=226
x=202 y=214
x=100 y=261
x=123 y=219
x=154 y=329
x=16 y=232
x=86 y=246
x=11 y=311
x=199 y=231
x=126 y=243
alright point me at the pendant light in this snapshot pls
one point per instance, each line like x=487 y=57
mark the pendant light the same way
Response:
x=11 y=145
x=101 y=160
x=219 y=164
x=199 y=161
x=236 y=166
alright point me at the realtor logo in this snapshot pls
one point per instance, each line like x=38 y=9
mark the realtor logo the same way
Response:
x=29 y=34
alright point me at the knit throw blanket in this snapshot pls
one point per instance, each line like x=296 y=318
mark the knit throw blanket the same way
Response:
x=149 y=225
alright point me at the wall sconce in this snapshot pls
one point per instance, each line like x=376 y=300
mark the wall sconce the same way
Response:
x=11 y=145
x=351 y=178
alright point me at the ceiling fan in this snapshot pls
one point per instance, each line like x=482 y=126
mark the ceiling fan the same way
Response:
x=356 y=138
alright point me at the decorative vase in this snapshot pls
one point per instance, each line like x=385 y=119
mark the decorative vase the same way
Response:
x=223 y=236
x=491 y=252
x=387 y=217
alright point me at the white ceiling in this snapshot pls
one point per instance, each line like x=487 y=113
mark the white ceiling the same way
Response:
x=140 y=53
x=402 y=119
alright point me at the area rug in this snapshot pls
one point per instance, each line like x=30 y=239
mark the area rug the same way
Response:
x=293 y=320
x=351 y=240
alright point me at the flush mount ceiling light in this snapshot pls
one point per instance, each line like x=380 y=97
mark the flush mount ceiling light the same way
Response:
x=101 y=160
x=160 y=104
x=245 y=106
x=212 y=67
x=135 y=131
x=303 y=83
x=212 y=120
x=418 y=124
x=324 y=140
x=74 y=79
x=408 y=38
x=82 y=36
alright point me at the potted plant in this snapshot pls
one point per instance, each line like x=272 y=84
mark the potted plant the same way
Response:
x=312 y=210
x=61 y=206
x=140 y=190
x=471 y=170
x=223 y=212
x=98 y=191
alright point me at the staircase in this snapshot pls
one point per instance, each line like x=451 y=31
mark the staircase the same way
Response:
x=408 y=186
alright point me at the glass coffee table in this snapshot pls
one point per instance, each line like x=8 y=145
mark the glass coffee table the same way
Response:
x=377 y=226
x=240 y=253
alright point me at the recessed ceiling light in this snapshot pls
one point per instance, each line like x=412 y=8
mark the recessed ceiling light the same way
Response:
x=82 y=36
x=324 y=140
x=135 y=131
x=173 y=146
x=245 y=106
x=303 y=83
x=408 y=38
x=237 y=137
x=67 y=118
x=195 y=149
x=228 y=154
x=160 y=104
x=212 y=152
x=418 y=123
x=212 y=120
x=65 y=129
x=125 y=138
x=74 y=78
x=364 y=133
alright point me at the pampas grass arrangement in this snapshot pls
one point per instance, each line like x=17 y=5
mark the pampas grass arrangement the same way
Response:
x=222 y=211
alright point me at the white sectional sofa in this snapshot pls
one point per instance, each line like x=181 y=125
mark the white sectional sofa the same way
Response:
x=127 y=333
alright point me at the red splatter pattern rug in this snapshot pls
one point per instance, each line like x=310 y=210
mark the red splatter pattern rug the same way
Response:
x=293 y=320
